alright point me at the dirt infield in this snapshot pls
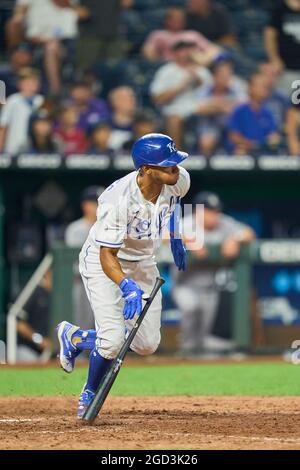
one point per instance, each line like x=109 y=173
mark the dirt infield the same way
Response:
x=153 y=423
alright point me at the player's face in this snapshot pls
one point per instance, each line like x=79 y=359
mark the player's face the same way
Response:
x=163 y=174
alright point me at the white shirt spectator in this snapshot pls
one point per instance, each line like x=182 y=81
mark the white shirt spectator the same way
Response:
x=172 y=75
x=46 y=20
x=15 y=116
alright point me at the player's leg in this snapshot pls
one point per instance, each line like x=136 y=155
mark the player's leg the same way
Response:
x=107 y=304
x=148 y=336
x=73 y=341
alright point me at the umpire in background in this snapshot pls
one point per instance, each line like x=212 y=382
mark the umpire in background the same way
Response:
x=75 y=236
x=196 y=291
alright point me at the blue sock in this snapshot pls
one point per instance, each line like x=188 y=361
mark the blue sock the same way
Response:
x=97 y=369
x=84 y=340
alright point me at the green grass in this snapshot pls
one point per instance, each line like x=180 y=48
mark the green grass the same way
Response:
x=272 y=379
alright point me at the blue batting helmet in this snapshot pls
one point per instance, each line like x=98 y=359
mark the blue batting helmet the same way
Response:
x=157 y=150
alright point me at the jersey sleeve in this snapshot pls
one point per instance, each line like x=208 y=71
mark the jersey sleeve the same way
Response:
x=184 y=182
x=111 y=225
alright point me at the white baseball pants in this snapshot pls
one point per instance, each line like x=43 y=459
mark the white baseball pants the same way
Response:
x=106 y=301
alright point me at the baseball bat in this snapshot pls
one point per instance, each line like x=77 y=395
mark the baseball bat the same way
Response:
x=103 y=390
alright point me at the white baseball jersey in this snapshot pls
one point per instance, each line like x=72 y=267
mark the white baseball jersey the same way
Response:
x=126 y=220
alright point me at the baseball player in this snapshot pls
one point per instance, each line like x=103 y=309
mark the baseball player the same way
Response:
x=117 y=261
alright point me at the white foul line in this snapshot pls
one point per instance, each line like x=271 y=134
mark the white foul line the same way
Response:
x=21 y=420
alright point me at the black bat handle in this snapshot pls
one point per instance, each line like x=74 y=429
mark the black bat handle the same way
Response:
x=158 y=283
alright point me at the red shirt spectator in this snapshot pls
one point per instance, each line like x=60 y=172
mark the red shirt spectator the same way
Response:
x=70 y=138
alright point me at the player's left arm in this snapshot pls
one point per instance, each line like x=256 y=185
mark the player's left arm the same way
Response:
x=131 y=291
x=111 y=265
x=177 y=247
x=111 y=229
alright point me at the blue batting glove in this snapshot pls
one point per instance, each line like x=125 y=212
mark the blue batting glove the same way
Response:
x=132 y=294
x=179 y=253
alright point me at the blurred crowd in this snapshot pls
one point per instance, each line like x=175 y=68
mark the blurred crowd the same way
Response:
x=91 y=76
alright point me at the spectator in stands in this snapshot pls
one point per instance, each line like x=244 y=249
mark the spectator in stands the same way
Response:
x=159 y=44
x=18 y=59
x=91 y=109
x=144 y=123
x=252 y=127
x=293 y=130
x=99 y=34
x=16 y=113
x=216 y=102
x=282 y=42
x=75 y=236
x=41 y=134
x=277 y=101
x=123 y=104
x=101 y=137
x=51 y=25
x=196 y=291
x=77 y=231
x=70 y=138
x=212 y=20
x=34 y=343
x=174 y=88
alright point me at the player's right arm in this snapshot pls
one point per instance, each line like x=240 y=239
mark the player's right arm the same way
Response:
x=111 y=265
x=111 y=230
x=131 y=292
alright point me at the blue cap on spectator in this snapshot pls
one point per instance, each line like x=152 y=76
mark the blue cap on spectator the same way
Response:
x=91 y=193
x=223 y=56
